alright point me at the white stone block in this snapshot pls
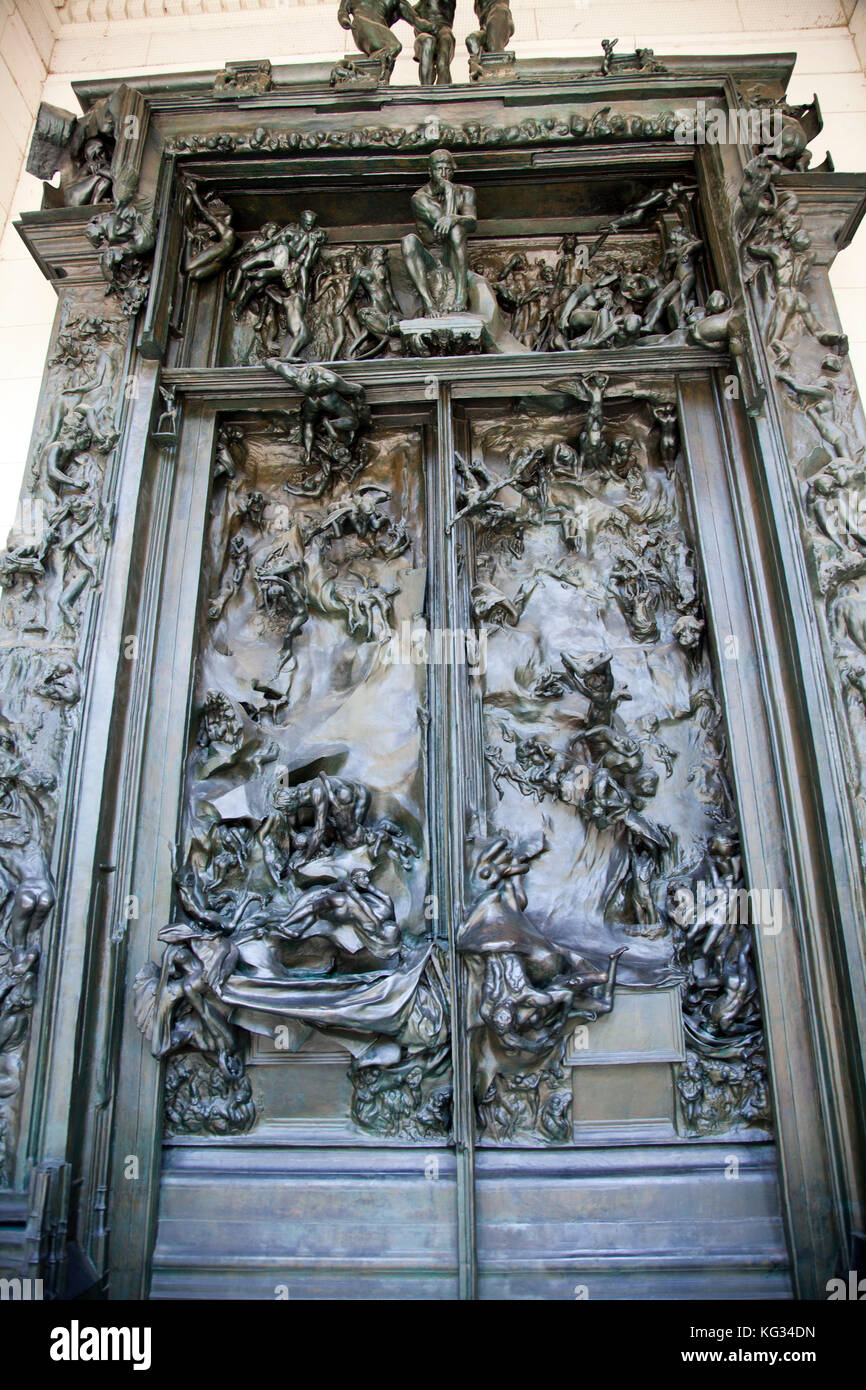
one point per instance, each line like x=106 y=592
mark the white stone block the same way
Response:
x=791 y=14
x=14 y=111
x=26 y=297
x=23 y=350
x=848 y=271
x=851 y=303
x=11 y=479
x=844 y=134
x=22 y=58
x=39 y=29
x=844 y=91
x=12 y=247
x=10 y=164
x=825 y=53
x=18 y=400
x=657 y=19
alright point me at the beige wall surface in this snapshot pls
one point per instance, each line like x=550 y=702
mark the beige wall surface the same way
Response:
x=47 y=44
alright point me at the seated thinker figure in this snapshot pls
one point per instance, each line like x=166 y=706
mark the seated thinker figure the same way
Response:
x=444 y=216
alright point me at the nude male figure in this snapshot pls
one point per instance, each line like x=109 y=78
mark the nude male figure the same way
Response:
x=444 y=216
x=370 y=22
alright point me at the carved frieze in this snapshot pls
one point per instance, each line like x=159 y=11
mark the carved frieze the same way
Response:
x=605 y=123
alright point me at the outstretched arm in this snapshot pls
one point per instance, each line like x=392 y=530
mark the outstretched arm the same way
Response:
x=807 y=391
x=350 y=390
x=283 y=369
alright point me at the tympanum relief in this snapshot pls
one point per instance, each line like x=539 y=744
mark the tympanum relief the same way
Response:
x=642 y=281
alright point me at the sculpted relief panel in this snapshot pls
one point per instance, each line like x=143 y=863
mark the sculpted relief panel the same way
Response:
x=604 y=742
x=302 y=874
x=293 y=291
x=50 y=573
x=783 y=259
x=303 y=870
x=603 y=852
x=606 y=851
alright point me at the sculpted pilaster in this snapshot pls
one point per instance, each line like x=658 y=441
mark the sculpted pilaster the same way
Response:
x=50 y=574
x=792 y=231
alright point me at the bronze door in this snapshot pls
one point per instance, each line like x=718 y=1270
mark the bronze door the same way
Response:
x=458 y=828
x=434 y=726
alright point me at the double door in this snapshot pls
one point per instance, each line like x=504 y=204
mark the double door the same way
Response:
x=458 y=847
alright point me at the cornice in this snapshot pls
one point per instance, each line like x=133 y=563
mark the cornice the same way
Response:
x=839 y=196
x=555 y=77
x=56 y=241
x=254 y=388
